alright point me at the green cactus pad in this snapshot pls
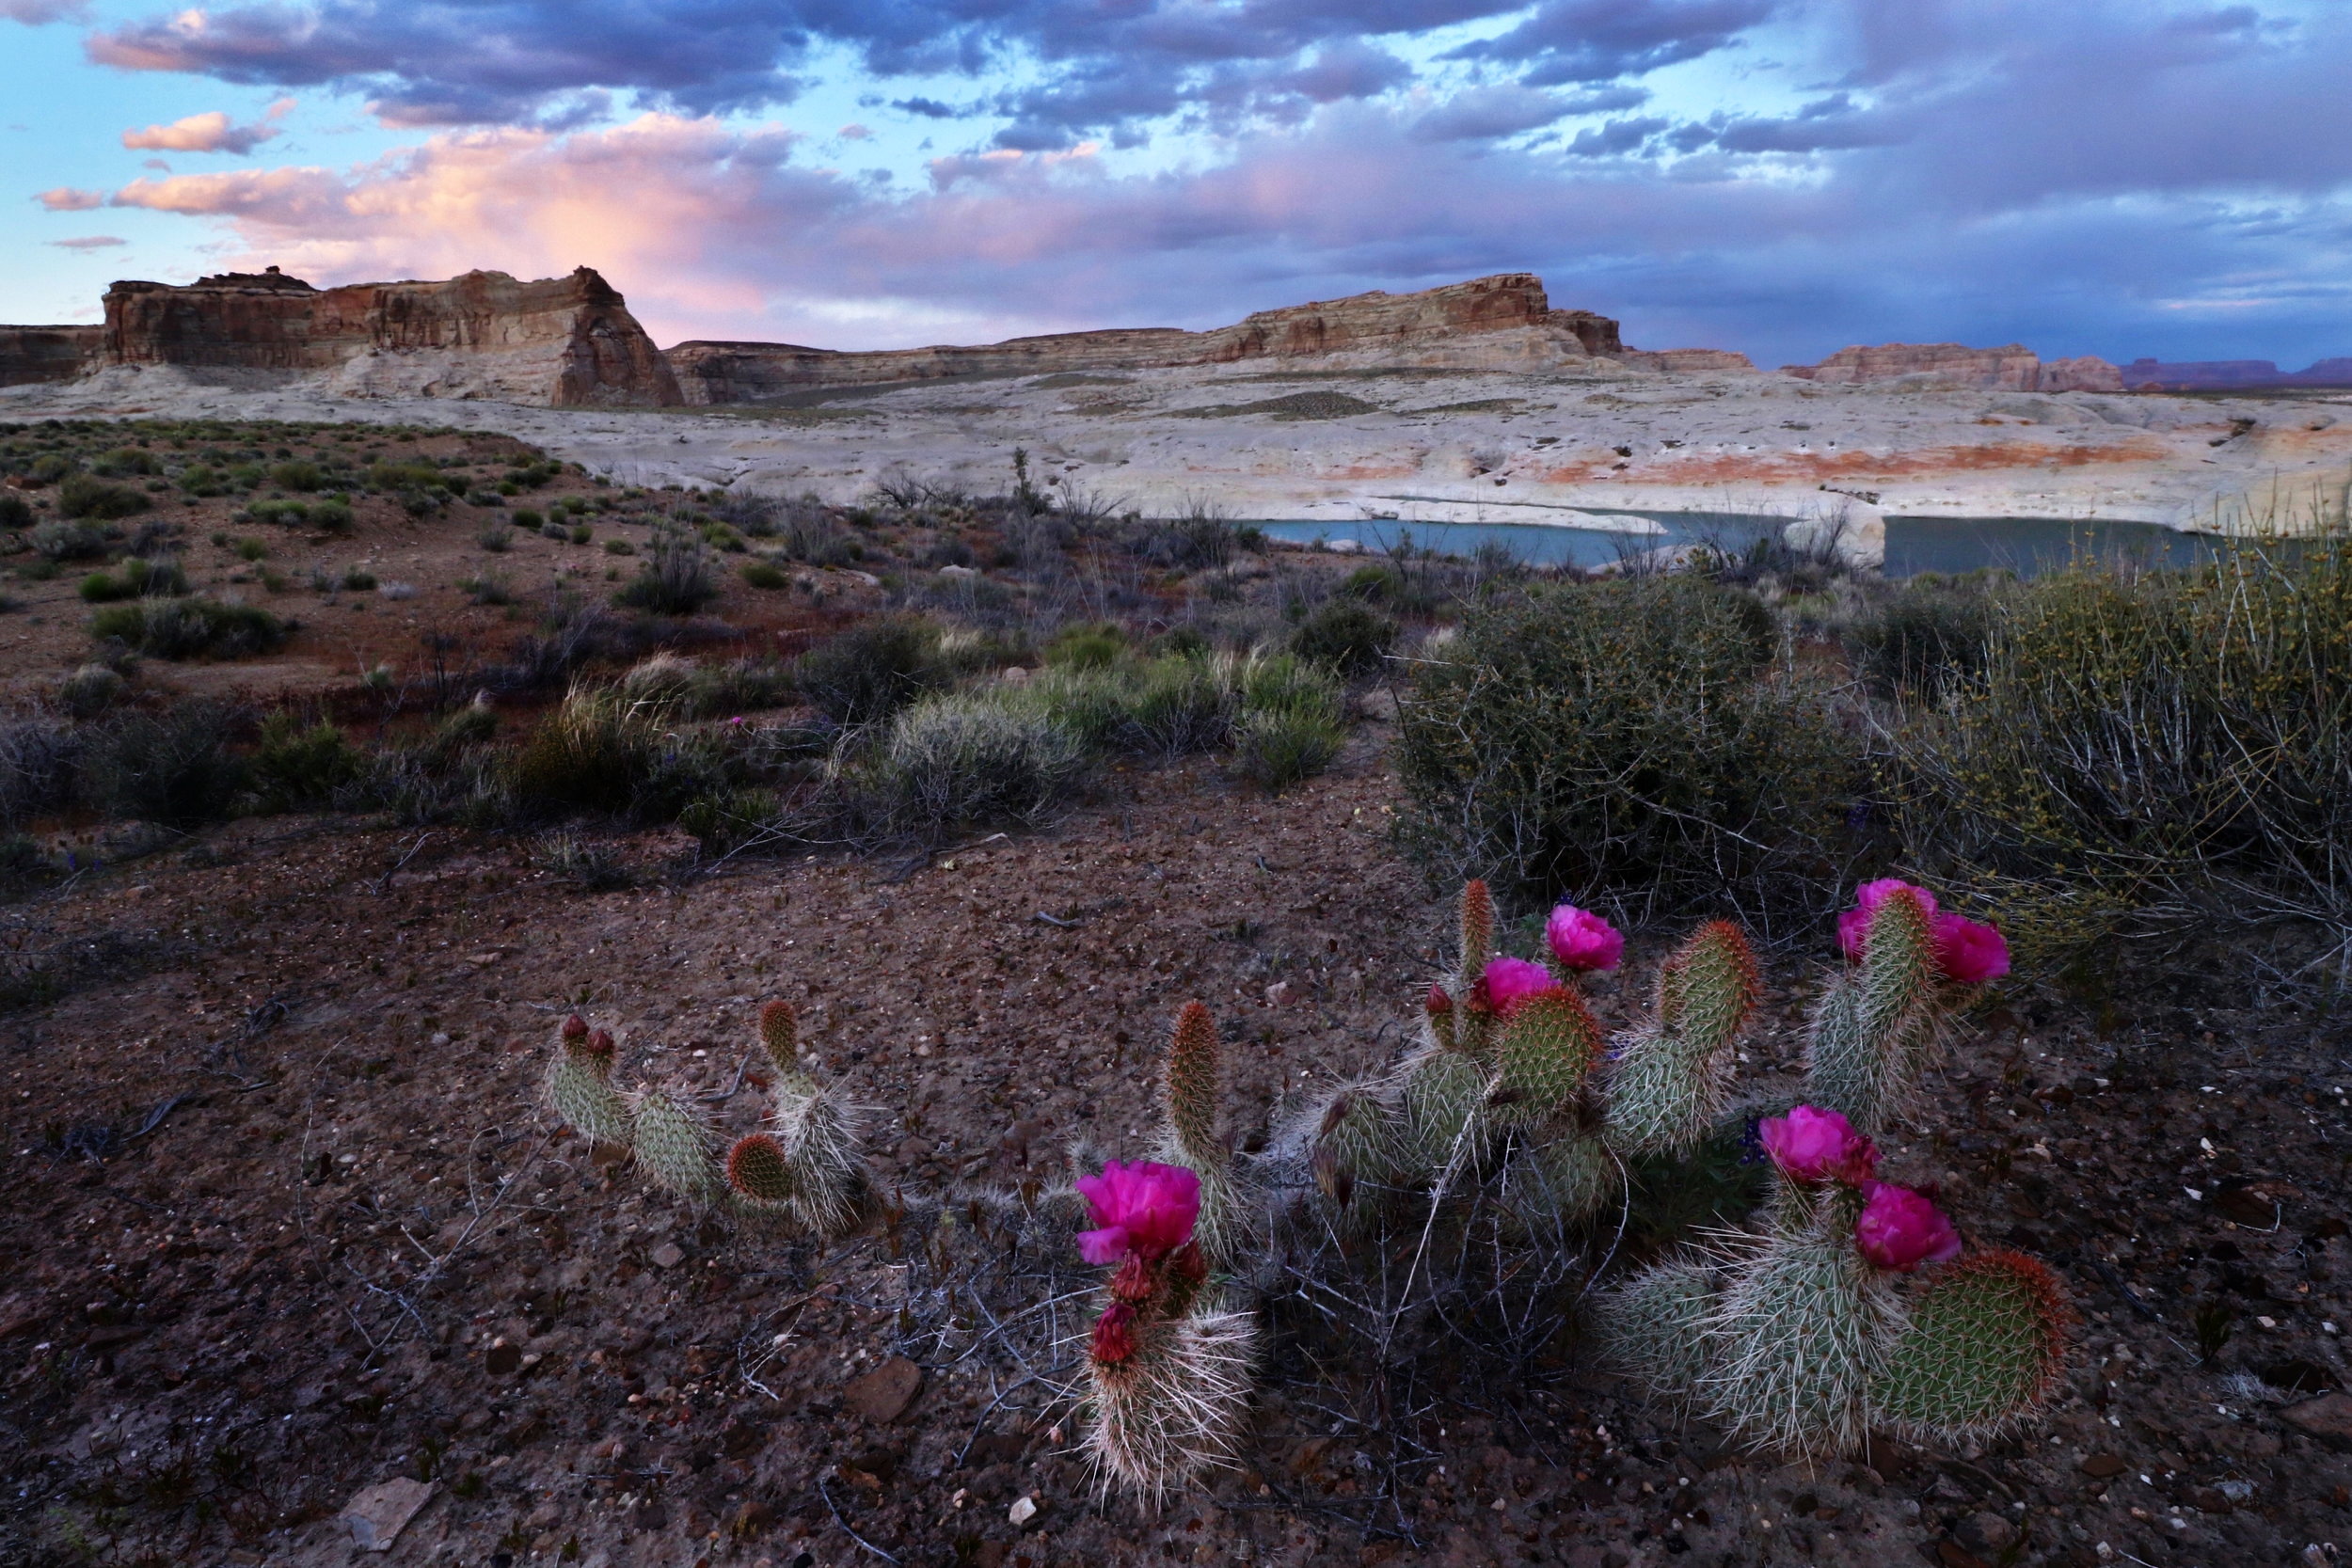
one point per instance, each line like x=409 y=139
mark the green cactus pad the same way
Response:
x=1359 y=1137
x=1654 y=1326
x=673 y=1147
x=583 y=1096
x=1562 y=1183
x=1672 y=1077
x=1984 y=1346
x=1879 y=1024
x=1189 y=1088
x=821 y=1133
x=1444 y=1094
x=1794 y=1337
x=1547 y=1047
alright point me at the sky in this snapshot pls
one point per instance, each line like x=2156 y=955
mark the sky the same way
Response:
x=1780 y=177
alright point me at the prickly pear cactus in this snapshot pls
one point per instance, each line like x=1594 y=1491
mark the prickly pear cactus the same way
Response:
x=1190 y=1086
x=673 y=1147
x=1985 y=1344
x=580 y=1085
x=1673 y=1075
x=1544 y=1053
x=759 y=1175
x=1881 y=1023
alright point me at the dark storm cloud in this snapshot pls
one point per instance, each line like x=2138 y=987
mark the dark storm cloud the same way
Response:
x=1598 y=40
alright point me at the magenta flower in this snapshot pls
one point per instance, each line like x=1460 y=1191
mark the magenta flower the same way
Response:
x=1582 y=939
x=1145 y=1211
x=1509 y=982
x=1900 y=1229
x=1810 y=1145
x=1969 y=951
x=1853 y=926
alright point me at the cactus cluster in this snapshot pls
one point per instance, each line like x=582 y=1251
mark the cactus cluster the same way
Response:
x=806 y=1165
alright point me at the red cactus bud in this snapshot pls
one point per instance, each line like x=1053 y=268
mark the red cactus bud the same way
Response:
x=1438 y=1001
x=780 y=1029
x=1132 y=1282
x=600 y=1044
x=575 y=1027
x=1114 y=1341
x=1188 y=1266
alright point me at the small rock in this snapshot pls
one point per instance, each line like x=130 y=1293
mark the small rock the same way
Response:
x=1986 y=1533
x=376 y=1514
x=668 y=1256
x=1023 y=1511
x=884 y=1393
x=503 y=1359
x=1013 y=675
x=1280 y=995
x=2102 y=1466
x=2327 y=1418
x=2208 y=1499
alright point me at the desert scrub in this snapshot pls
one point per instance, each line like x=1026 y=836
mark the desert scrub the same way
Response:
x=189 y=627
x=764 y=575
x=162 y=578
x=296 y=764
x=676 y=580
x=967 y=758
x=591 y=752
x=1928 y=630
x=55 y=540
x=1638 y=736
x=85 y=495
x=2166 y=750
x=871 y=670
x=174 y=767
x=1345 y=634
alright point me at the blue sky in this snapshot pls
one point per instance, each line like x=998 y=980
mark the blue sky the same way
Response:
x=1781 y=176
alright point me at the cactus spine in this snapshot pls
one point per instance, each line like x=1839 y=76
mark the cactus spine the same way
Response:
x=760 y=1175
x=818 y=1134
x=580 y=1085
x=1189 y=1092
x=1174 y=1403
x=1547 y=1046
x=673 y=1147
x=1986 y=1343
x=1672 y=1077
x=1881 y=1021
x=1654 y=1326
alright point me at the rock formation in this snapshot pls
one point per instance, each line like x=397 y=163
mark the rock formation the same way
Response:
x=562 y=343
x=2200 y=376
x=1504 y=322
x=2012 y=367
x=32 y=354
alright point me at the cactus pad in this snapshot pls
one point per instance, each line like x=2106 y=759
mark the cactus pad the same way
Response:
x=1549 y=1044
x=1445 y=1110
x=1880 y=1023
x=674 y=1146
x=1477 y=933
x=1672 y=1076
x=760 y=1175
x=821 y=1133
x=1190 y=1086
x=1984 y=1346
x=1359 y=1137
x=1176 y=1405
x=1654 y=1326
x=1795 y=1336
x=579 y=1085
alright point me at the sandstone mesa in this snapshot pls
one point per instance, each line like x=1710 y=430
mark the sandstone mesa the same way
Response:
x=1475 y=401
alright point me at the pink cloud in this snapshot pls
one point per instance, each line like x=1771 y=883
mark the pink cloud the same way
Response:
x=209 y=132
x=65 y=198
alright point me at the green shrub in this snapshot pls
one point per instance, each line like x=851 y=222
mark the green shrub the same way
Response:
x=580 y=533
x=252 y=549
x=1345 y=634
x=965 y=759
x=160 y=578
x=85 y=496
x=1928 y=630
x=200 y=478
x=358 y=579
x=765 y=574
x=619 y=546
x=285 y=513
x=677 y=579
x=494 y=538
x=125 y=463
x=1087 y=648
x=15 y=512
x=331 y=515
x=174 y=767
x=1279 y=747
x=2170 y=750
x=106 y=588
x=71 y=540
x=591 y=752
x=870 y=670
x=90 y=690
x=298 y=766
x=184 y=628
x=300 y=475
x=1634 y=737
x=528 y=517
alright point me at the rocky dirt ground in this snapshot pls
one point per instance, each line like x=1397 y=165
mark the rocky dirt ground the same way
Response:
x=294 y=1254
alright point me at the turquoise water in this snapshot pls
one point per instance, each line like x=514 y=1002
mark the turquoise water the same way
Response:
x=2023 y=545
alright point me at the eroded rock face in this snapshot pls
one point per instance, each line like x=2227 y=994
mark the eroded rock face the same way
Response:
x=34 y=353
x=563 y=342
x=1504 y=322
x=2012 y=367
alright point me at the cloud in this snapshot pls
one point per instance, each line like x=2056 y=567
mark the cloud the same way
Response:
x=1598 y=40
x=39 y=13
x=209 y=132
x=1480 y=113
x=89 y=242
x=65 y=198
x=929 y=108
x=1614 y=139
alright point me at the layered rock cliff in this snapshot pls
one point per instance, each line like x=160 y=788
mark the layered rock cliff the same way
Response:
x=2196 y=375
x=35 y=353
x=1504 y=322
x=564 y=342
x=2012 y=367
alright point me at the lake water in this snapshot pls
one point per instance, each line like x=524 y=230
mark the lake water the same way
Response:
x=2023 y=544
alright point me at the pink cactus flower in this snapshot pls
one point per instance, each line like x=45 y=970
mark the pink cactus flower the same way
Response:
x=1509 y=982
x=1900 y=1229
x=1582 y=939
x=1145 y=1211
x=1853 y=926
x=1969 y=951
x=1810 y=1145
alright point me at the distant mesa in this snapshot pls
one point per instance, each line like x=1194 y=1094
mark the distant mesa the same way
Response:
x=2207 y=376
x=561 y=342
x=571 y=343
x=2012 y=367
